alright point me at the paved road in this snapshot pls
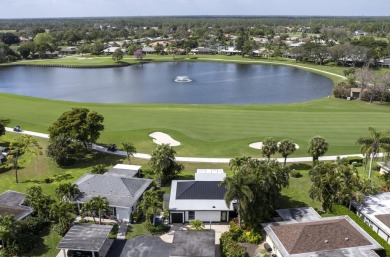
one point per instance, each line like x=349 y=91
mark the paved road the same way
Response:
x=140 y=246
x=193 y=159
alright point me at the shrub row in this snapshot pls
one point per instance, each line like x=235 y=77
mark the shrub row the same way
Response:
x=229 y=247
x=342 y=210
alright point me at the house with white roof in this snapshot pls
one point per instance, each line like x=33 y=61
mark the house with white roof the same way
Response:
x=374 y=210
x=201 y=199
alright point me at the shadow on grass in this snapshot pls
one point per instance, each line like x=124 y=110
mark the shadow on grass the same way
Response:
x=95 y=158
x=40 y=247
x=300 y=166
x=285 y=202
x=61 y=177
x=5 y=122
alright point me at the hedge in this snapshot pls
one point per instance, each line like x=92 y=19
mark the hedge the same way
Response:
x=230 y=248
x=342 y=210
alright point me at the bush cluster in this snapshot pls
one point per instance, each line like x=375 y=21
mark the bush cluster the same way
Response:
x=295 y=174
x=230 y=248
x=158 y=229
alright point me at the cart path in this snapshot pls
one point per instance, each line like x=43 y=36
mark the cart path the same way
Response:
x=191 y=159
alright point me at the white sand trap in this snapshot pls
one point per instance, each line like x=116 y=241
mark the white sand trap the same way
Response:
x=162 y=138
x=82 y=58
x=259 y=145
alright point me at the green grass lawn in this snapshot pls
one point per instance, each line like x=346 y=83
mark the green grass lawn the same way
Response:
x=213 y=130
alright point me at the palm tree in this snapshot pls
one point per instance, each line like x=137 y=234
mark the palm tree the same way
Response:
x=66 y=192
x=238 y=189
x=370 y=145
x=100 y=205
x=285 y=148
x=270 y=146
x=163 y=163
x=87 y=209
x=150 y=204
x=129 y=149
x=317 y=147
x=236 y=163
x=63 y=214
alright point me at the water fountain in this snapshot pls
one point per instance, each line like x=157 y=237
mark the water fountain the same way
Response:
x=182 y=79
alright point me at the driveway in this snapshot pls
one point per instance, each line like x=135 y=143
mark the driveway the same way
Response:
x=140 y=246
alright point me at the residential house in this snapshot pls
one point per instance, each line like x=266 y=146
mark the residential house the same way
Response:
x=86 y=240
x=148 y=50
x=384 y=63
x=124 y=170
x=303 y=233
x=112 y=49
x=231 y=50
x=203 y=50
x=122 y=193
x=68 y=50
x=193 y=243
x=355 y=92
x=11 y=202
x=360 y=33
x=3 y=155
x=201 y=199
x=375 y=211
x=385 y=167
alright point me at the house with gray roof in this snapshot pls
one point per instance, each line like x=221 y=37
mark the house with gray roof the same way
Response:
x=374 y=210
x=11 y=202
x=201 y=199
x=122 y=193
x=304 y=233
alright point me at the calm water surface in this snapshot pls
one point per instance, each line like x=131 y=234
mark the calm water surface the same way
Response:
x=213 y=83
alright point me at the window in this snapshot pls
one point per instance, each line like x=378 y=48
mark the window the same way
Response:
x=191 y=215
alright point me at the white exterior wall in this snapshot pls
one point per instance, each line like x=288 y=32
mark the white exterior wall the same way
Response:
x=206 y=216
x=271 y=243
x=123 y=213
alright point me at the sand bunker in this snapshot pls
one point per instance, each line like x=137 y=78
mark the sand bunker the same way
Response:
x=259 y=145
x=162 y=138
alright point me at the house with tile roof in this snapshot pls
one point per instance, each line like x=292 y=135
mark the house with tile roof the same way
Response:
x=303 y=233
x=122 y=193
x=374 y=210
x=11 y=202
x=201 y=199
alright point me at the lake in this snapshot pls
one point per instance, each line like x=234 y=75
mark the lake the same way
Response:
x=212 y=83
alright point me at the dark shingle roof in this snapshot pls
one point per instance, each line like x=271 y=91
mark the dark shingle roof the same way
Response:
x=11 y=203
x=124 y=173
x=316 y=236
x=206 y=190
